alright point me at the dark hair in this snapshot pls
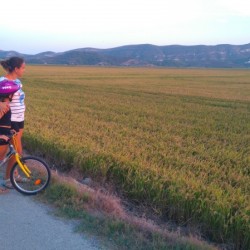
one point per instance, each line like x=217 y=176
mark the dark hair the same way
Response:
x=13 y=62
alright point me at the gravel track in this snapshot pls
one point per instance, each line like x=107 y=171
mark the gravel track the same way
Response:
x=27 y=224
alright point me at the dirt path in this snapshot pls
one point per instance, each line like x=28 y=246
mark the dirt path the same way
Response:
x=27 y=224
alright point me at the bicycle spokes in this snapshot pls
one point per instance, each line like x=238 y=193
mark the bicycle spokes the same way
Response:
x=38 y=175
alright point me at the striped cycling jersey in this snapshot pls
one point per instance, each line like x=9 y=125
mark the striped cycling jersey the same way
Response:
x=17 y=105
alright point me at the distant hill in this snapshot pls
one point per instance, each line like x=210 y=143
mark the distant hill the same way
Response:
x=218 y=56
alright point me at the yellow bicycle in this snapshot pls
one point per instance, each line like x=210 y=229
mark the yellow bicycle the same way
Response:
x=33 y=173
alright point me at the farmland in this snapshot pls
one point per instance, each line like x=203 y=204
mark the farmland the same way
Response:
x=175 y=139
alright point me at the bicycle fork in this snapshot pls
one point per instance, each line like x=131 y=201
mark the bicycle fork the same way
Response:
x=23 y=167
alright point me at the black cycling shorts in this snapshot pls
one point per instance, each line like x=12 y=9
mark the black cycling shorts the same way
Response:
x=17 y=125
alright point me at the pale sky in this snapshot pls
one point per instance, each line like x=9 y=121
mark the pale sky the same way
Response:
x=34 y=26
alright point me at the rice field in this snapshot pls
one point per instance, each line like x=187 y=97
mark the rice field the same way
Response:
x=174 y=139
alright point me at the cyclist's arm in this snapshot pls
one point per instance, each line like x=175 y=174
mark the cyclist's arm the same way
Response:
x=4 y=108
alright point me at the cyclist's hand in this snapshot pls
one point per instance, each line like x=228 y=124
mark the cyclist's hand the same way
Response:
x=13 y=132
x=4 y=108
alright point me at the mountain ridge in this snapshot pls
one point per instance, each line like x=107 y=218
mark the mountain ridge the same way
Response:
x=205 y=56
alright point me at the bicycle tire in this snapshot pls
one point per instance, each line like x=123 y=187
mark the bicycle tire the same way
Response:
x=39 y=179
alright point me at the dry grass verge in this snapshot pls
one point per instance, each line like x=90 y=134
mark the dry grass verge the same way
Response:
x=128 y=231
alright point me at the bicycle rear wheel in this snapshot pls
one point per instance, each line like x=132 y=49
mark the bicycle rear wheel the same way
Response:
x=39 y=176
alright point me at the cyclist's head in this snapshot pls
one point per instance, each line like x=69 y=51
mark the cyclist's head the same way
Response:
x=12 y=63
x=8 y=88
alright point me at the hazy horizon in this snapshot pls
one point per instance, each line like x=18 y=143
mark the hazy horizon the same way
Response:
x=124 y=46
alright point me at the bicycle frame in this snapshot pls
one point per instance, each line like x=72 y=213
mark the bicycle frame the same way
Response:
x=13 y=151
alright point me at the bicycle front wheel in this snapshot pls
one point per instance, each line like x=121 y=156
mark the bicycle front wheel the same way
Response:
x=39 y=175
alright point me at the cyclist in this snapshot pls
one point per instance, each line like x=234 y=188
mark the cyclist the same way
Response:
x=7 y=90
x=15 y=67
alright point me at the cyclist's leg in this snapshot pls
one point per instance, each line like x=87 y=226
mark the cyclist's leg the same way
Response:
x=3 y=151
x=19 y=141
x=9 y=166
x=12 y=160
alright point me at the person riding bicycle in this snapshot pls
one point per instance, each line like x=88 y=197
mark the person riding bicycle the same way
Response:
x=15 y=68
x=7 y=90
